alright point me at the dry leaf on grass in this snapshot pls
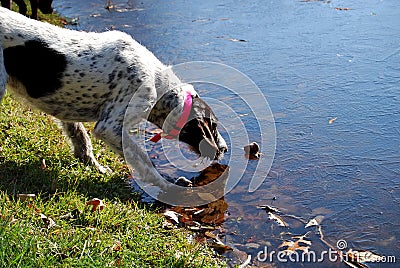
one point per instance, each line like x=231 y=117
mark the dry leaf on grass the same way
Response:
x=49 y=222
x=96 y=203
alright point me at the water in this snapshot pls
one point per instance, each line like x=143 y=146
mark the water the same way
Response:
x=314 y=63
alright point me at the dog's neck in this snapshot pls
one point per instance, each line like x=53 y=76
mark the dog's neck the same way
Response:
x=171 y=95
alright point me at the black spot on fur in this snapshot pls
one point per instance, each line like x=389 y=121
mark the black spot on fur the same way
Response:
x=22 y=63
x=111 y=76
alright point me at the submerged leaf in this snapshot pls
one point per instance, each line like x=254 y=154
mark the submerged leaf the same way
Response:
x=301 y=244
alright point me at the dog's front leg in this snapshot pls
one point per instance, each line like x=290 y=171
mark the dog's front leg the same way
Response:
x=110 y=129
x=82 y=144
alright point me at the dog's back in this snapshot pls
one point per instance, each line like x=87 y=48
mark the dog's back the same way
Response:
x=84 y=69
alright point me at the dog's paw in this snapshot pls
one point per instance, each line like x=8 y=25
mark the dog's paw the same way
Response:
x=104 y=169
x=182 y=181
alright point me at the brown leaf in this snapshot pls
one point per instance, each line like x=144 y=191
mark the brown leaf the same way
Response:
x=117 y=246
x=301 y=244
x=331 y=121
x=43 y=164
x=96 y=203
x=277 y=219
x=363 y=256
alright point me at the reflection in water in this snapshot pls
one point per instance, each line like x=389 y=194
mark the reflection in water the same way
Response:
x=313 y=63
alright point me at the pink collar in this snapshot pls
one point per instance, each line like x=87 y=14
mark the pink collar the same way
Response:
x=187 y=107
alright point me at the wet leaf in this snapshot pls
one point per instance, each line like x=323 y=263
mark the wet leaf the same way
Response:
x=301 y=244
x=277 y=219
x=342 y=8
x=268 y=208
x=331 y=121
x=49 y=222
x=219 y=247
x=96 y=203
x=314 y=222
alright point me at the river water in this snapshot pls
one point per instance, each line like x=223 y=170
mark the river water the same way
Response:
x=330 y=71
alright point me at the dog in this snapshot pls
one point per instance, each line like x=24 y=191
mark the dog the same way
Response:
x=86 y=76
x=43 y=5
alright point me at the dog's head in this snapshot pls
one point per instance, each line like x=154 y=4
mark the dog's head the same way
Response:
x=199 y=129
x=45 y=6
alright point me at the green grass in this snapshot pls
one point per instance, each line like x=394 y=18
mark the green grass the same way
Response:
x=125 y=233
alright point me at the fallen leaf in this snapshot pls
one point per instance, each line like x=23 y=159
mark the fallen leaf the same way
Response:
x=117 y=246
x=49 y=222
x=331 y=121
x=172 y=215
x=268 y=208
x=314 y=222
x=277 y=219
x=96 y=203
x=342 y=8
x=301 y=244
x=219 y=247
x=43 y=164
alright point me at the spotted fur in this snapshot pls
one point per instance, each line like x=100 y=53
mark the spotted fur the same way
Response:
x=80 y=76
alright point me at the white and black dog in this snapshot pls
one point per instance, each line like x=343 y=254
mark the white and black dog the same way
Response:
x=79 y=77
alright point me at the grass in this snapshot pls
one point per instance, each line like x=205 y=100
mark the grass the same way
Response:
x=36 y=159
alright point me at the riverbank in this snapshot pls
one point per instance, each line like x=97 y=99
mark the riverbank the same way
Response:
x=47 y=217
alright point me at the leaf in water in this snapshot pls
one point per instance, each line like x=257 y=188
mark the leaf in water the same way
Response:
x=96 y=203
x=314 y=222
x=331 y=121
x=268 y=208
x=278 y=219
x=219 y=247
x=48 y=221
x=342 y=8
x=301 y=244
